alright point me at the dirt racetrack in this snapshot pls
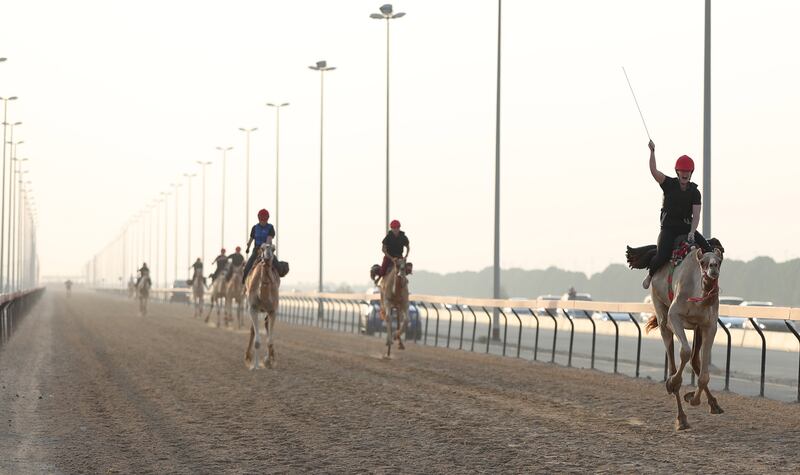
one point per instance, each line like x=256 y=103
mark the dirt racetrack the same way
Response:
x=88 y=386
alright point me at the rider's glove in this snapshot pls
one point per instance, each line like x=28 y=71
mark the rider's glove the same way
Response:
x=690 y=237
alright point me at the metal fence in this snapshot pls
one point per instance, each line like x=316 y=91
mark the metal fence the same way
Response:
x=13 y=308
x=521 y=326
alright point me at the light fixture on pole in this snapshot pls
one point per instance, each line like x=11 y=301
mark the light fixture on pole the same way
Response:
x=224 y=151
x=203 y=219
x=277 y=162
x=387 y=14
x=247 y=177
x=322 y=67
x=189 y=177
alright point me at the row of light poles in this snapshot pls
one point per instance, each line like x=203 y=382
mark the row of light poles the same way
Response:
x=386 y=13
x=19 y=264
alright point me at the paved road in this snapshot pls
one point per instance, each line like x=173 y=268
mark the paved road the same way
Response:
x=88 y=386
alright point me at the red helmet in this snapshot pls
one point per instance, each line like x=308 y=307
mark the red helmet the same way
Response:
x=684 y=164
x=395 y=224
x=263 y=214
x=238 y=249
x=222 y=251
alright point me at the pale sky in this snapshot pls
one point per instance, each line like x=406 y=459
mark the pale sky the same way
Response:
x=119 y=99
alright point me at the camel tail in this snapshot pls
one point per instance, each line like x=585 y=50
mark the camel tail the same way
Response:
x=639 y=257
x=651 y=324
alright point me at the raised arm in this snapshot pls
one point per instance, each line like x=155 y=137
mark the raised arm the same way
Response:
x=657 y=175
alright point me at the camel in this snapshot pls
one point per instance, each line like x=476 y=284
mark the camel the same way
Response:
x=217 y=294
x=394 y=295
x=675 y=291
x=143 y=292
x=262 y=287
x=198 y=290
x=234 y=291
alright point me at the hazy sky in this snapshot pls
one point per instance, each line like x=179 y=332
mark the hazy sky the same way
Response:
x=119 y=99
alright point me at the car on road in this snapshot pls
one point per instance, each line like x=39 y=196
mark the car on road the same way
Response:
x=764 y=323
x=577 y=313
x=370 y=321
x=542 y=312
x=518 y=310
x=731 y=322
x=180 y=297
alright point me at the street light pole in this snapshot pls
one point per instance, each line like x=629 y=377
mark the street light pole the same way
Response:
x=247 y=177
x=4 y=277
x=175 y=187
x=277 y=163
x=496 y=266
x=203 y=220
x=322 y=67
x=189 y=177
x=707 y=124
x=387 y=14
x=165 y=196
x=224 y=162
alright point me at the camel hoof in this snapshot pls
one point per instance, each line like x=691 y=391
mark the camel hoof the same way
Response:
x=715 y=409
x=688 y=397
x=257 y=344
x=400 y=345
x=682 y=424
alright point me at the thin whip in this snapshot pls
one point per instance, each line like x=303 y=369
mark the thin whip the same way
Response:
x=637 y=102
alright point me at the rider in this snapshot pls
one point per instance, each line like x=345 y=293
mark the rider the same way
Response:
x=237 y=259
x=261 y=233
x=680 y=211
x=197 y=266
x=142 y=272
x=393 y=245
x=221 y=262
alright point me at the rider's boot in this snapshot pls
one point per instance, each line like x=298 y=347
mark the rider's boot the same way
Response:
x=646 y=281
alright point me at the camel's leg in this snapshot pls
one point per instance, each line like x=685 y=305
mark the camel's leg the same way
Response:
x=669 y=345
x=389 y=332
x=248 y=353
x=693 y=397
x=681 y=423
x=675 y=380
x=210 y=309
x=254 y=335
x=402 y=323
x=704 y=376
x=269 y=325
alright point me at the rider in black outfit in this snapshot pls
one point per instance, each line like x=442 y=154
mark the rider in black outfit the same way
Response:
x=237 y=260
x=680 y=212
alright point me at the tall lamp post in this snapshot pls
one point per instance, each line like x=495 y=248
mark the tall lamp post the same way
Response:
x=322 y=67
x=175 y=187
x=189 y=177
x=387 y=14
x=16 y=179
x=707 y=122
x=224 y=151
x=4 y=277
x=164 y=198
x=277 y=162
x=247 y=176
x=496 y=266
x=203 y=214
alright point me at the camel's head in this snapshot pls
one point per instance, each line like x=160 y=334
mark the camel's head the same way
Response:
x=400 y=269
x=266 y=253
x=710 y=262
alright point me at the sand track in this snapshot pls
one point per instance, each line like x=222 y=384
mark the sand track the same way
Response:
x=167 y=394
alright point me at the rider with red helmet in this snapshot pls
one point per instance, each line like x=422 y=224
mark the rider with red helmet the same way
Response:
x=680 y=211
x=262 y=233
x=393 y=245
